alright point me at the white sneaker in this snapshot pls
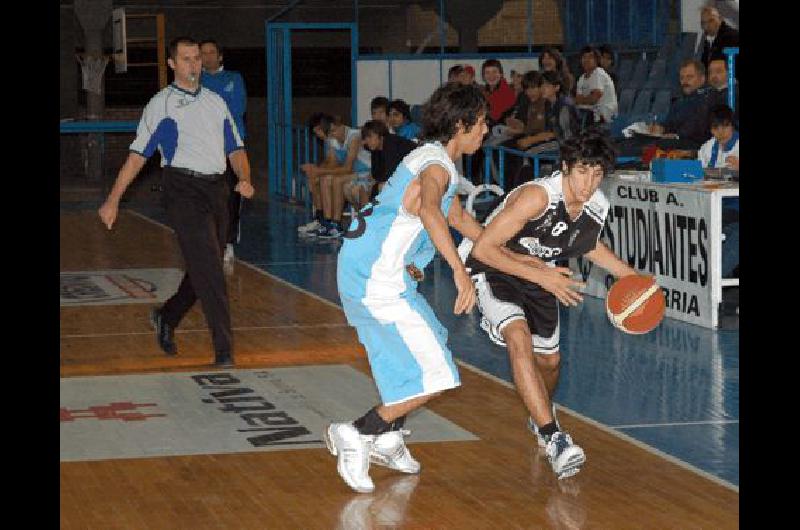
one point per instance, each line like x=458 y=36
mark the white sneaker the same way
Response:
x=565 y=457
x=330 y=233
x=389 y=450
x=352 y=449
x=316 y=232
x=535 y=428
x=308 y=227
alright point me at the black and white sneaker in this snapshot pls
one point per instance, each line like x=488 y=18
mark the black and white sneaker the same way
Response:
x=565 y=457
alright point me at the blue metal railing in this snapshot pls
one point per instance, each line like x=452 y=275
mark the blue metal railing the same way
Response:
x=502 y=152
x=293 y=185
x=100 y=128
x=75 y=127
x=301 y=144
x=731 y=53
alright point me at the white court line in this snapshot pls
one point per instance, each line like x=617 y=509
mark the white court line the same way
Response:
x=590 y=421
x=242 y=328
x=674 y=424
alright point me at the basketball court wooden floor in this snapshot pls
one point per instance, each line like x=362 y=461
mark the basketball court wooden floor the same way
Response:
x=496 y=477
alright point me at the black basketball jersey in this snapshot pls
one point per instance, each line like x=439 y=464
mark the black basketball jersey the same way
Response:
x=553 y=235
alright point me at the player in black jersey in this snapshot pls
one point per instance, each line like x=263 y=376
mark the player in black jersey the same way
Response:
x=554 y=218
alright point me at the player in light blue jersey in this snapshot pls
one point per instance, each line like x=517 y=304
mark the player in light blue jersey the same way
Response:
x=386 y=247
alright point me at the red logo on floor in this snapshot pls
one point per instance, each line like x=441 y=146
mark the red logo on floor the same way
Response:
x=114 y=411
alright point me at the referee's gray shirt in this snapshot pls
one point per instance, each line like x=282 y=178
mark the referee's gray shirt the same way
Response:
x=192 y=130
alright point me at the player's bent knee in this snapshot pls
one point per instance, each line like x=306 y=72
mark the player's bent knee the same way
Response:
x=517 y=338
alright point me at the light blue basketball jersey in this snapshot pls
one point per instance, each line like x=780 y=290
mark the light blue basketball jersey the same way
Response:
x=363 y=161
x=384 y=238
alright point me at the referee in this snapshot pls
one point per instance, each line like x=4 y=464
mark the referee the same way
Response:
x=193 y=130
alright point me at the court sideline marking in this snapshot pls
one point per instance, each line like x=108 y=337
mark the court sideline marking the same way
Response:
x=475 y=369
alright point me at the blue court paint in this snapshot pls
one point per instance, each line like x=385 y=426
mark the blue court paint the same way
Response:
x=679 y=373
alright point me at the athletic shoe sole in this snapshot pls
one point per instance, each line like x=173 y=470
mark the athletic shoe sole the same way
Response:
x=573 y=464
x=328 y=441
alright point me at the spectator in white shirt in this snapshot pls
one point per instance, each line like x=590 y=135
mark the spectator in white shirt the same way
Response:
x=595 y=89
x=722 y=150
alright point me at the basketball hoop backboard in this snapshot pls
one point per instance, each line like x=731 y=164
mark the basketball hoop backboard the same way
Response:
x=120 y=40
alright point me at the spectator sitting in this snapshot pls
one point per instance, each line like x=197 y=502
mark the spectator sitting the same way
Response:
x=532 y=123
x=595 y=90
x=551 y=60
x=607 y=62
x=561 y=122
x=400 y=120
x=718 y=86
x=722 y=151
x=346 y=160
x=717 y=35
x=386 y=152
x=379 y=109
x=454 y=73
x=467 y=75
x=687 y=120
x=497 y=91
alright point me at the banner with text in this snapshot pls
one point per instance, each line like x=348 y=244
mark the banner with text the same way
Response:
x=663 y=231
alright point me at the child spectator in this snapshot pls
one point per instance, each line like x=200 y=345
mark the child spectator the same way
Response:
x=400 y=120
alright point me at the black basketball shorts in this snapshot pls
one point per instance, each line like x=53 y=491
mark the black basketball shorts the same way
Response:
x=502 y=299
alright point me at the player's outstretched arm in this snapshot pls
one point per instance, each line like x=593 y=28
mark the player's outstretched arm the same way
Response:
x=108 y=211
x=462 y=220
x=433 y=184
x=527 y=203
x=602 y=256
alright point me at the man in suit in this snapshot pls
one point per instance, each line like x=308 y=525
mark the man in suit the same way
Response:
x=717 y=35
x=718 y=86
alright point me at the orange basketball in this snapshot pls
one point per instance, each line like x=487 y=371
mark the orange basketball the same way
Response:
x=635 y=304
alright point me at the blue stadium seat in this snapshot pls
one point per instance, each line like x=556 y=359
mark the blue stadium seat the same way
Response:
x=639 y=75
x=669 y=45
x=661 y=103
x=688 y=42
x=658 y=75
x=625 y=71
x=641 y=105
x=626 y=99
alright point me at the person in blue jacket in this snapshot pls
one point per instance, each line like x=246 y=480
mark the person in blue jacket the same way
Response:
x=229 y=85
x=400 y=120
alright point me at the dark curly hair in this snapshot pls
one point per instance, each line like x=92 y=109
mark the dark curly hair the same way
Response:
x=448 y=105
x=402 y=107
x=325 y=121
x=374 y=127
x=592 y=147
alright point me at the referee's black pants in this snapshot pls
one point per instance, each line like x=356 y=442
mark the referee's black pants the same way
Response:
x=198 y=212
x=234 y=205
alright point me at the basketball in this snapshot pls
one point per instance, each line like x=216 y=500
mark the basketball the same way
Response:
x=635 y=304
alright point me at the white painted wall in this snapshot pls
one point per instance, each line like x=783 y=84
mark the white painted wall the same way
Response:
x=690 y=15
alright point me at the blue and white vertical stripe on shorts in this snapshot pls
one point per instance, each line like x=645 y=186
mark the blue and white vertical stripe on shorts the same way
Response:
x=405 y=342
